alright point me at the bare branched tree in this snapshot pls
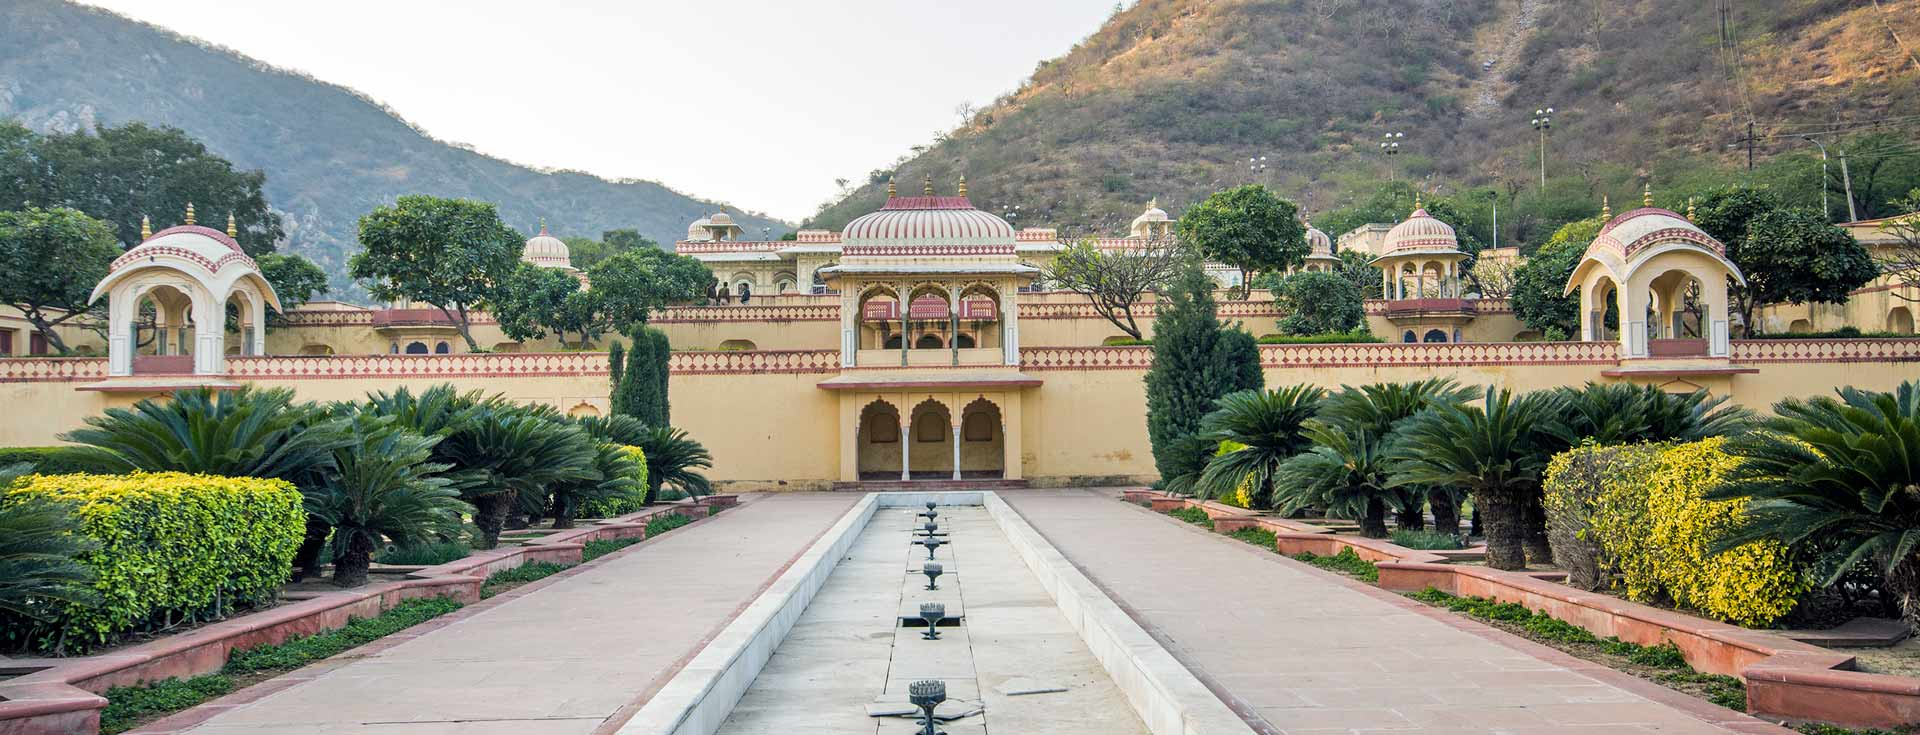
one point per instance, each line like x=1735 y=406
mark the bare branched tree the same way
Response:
x=1494 y=276
x=1901 y=260
x=1115 y=280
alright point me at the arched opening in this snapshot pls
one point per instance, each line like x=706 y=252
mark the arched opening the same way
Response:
x=1408 y=283
x=163 y=332
x=737 y=345
x=1800 y=326
x=1409 y=337
x=1605 y=313
x=316 y=350
x=928 y=316
x=1675 y=314
x=783 y=282
x=979 y=317
x=416 y=348
x=982 y=443
x=442 y=348
x=932 y=433
x=963 y=341
x=879 y=318
x=878 y=441
x=1435 y=335
x=892 y=342
x=1432 y=276
x=928 y=342
x=583 y=410
x=1900 y=320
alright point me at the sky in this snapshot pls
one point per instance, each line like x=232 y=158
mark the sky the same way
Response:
x=757 y=103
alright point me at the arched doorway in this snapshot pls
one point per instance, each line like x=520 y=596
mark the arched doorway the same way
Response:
x=982 y=442
x=932 y=452
x=928 y=342
x=879 y=311
x=1900 y=320
x=878 y=442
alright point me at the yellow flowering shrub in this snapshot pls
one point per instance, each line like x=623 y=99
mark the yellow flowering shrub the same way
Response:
x=1655 y=530
x=1242 y=496
x=617 y=506
x=170 y=545
x=1595 y=500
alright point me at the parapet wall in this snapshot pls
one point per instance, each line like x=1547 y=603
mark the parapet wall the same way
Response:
x=768 y=425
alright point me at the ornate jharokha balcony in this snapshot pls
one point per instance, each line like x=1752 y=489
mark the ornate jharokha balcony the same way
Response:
x=411 y=318
x=1413 y=308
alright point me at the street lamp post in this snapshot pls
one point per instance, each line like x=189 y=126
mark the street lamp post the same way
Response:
x=1825 y=213
x=1390 y=145
x=1255 y=167
x=1543 y=121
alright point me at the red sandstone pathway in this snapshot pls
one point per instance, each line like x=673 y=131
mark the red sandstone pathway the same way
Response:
x=564 y=657
x=1298 y=650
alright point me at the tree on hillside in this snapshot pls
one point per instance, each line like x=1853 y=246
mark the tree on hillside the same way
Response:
x=1793 y=256
x=1318 y=303
x=54 y=258
x=1115 y=281
x=1195 y=361
x=295 y=279
x=1248 y=228
x=122 y=173
x=1539 y=284
x=450 y=253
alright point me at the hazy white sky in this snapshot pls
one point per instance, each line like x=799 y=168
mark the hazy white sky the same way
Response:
x=761 y=103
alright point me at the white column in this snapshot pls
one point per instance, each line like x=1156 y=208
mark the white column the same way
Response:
x=1010 y=317
x=121 y=310
x=849 y=326
x=259 y=306
x=956 y=450
x=906 y=440
x=210 y=339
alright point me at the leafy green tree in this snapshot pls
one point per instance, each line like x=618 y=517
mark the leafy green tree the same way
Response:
x=616 y=365
x=1358 y=269
x=1835 y=479
x=1495 y=451
x=1116 y=281
x=55 y=258
x=1539 y=284
x=532 y=301
x=294 y=278
x=122 y=173
x=450 y=253
x=1248 y=228
x=1793 y=256
x=1195 y=362
x=1317 y=302
x=632 y=285
x=1724 y=212
x=1269 y=428
x=39 y=542
x=383 y=486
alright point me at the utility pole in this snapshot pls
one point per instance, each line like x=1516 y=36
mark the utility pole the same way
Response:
x=1750 y=141
x=1390 y=145
x=1847 y=179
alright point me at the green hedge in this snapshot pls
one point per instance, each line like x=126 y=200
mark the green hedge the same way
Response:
x=53 y=460
x=1358 y=336
x=172 y=546
x=1841 y=333
x=620 y=505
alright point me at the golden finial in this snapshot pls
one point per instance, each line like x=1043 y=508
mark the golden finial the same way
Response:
x=891 y=193
x=927 y=185
x=190 y=214
x=1153 y=203
x=963 y=185
x=233 y=228
x=1416 y=202
x=146 y=228
x=1689 y=209
x=1606 y=208
x=543 y=225
x=1646 y=195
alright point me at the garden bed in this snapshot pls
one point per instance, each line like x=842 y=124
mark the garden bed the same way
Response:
x=49 y=695
x=1784 y=678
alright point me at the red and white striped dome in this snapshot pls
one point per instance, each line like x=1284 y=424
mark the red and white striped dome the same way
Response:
x=926 y=221
x=1422 y=232
x=1318 y=244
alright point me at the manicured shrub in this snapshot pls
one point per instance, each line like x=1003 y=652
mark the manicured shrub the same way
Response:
x=170 y=545
x=1270 y=428
x=1657 y=531
x=54 y=460
x=632 y=496
x=1357 y=336
x=1590 y=481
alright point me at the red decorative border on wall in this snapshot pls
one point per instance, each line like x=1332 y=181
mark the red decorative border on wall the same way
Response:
x=685 y=247
x=1344 y=355
x=51 y=369
x=749 y=313
x=1760 y=351
x=927 y=250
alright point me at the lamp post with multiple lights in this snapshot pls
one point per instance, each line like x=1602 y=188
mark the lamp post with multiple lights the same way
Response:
x=1543 y=122
x=1390 y=145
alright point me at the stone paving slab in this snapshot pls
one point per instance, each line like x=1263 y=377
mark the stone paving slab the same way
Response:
x=566 y=657
x=1298 y=650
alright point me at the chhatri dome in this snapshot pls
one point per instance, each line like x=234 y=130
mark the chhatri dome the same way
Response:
x=547 y=251
x=1318 y=244
x=1422 y=233
x=1152 y=223
x=928 y=221
x=697 y=230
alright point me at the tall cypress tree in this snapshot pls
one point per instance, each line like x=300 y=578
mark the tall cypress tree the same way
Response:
x=616 y=365
x=662 y=411
x=632 y=396
x=1195 y=361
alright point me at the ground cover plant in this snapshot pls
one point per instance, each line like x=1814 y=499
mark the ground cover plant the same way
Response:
x=661 y=524
x=1255 y=535
x=1425 y=540
x=131 y=706
x=601 y=547
x=1346 y=562
x=425 y=554
x=507 y=579
x=1662 y=663
x=1193 y=515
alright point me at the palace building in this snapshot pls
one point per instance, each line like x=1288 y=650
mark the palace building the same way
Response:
x=921 y=342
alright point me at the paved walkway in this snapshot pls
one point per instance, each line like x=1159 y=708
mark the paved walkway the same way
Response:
x=563 y=659
x=1296 y=651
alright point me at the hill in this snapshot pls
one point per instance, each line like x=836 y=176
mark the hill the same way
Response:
x=330 y=154
x=1171 y=97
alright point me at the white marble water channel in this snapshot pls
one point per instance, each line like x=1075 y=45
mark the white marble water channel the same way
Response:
x=848 y=651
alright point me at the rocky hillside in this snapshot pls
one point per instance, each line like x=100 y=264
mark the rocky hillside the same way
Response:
x=330 y=154
x=1171 y=97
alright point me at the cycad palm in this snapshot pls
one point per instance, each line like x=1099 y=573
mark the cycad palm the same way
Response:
x=1623 y=413
x=1344 y=472
x=1269 y=424
x=672 y=458
x=38 y=546
x=616 y=474
x=1376 y=410
x=1840 y=476
x=512 y=451
x=383 y=487
x=1494 y=451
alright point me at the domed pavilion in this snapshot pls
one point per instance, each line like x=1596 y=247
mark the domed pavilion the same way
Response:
x=167 y=302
